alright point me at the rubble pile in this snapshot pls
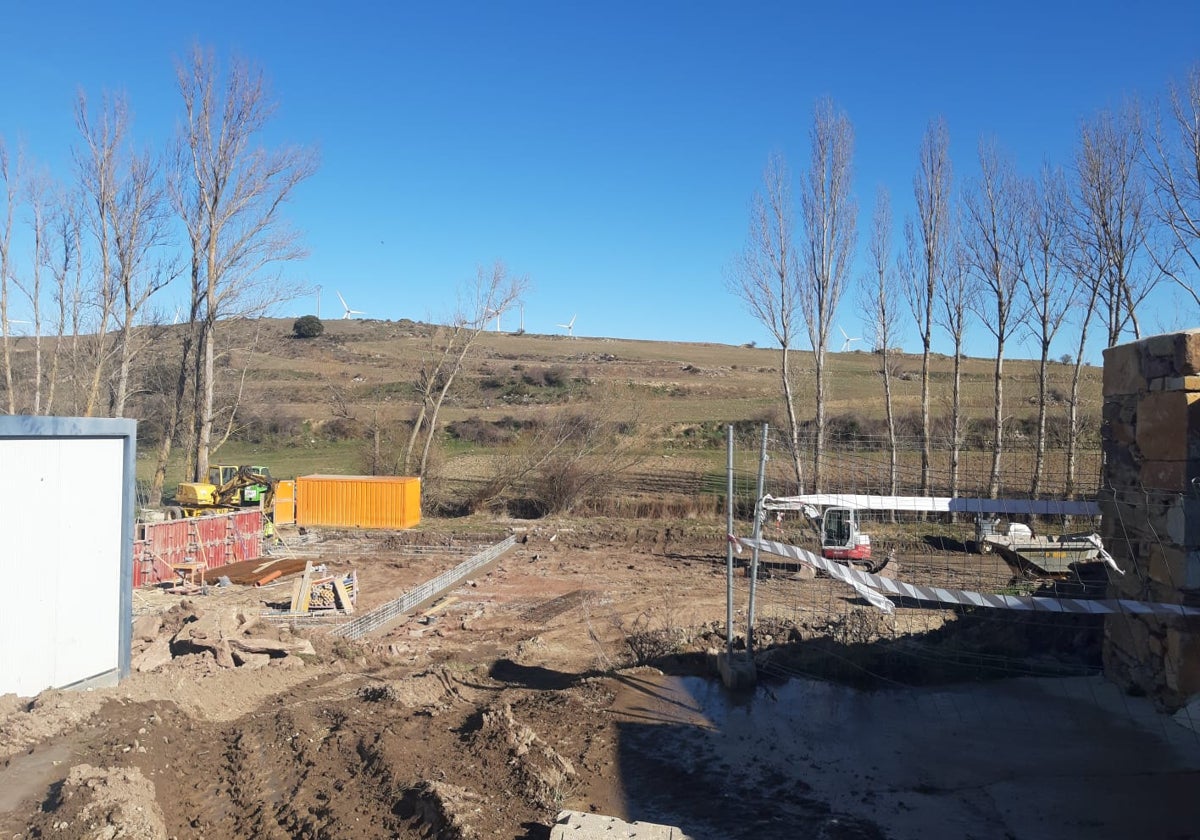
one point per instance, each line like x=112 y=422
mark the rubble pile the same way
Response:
x=234 y=638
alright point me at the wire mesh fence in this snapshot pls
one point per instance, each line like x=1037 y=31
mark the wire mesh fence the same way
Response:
x=1002 y=593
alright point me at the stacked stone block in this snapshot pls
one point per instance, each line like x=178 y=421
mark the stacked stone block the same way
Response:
x=1150 y=504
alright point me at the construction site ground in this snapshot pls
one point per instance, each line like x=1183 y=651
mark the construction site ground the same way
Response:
x=519 y=694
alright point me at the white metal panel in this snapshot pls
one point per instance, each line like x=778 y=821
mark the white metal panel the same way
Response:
x=61 y=560
x=937 y=504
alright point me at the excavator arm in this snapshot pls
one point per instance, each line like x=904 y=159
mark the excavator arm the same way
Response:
x=227 y=494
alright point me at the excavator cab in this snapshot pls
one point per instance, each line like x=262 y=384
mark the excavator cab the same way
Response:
x=250 y=495
x=840 y=537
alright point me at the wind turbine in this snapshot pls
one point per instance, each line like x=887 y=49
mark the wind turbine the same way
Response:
x=346 y=306
x=849 y=341
x=570 y=326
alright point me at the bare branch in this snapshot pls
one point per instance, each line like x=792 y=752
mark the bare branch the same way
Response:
x=830 y=216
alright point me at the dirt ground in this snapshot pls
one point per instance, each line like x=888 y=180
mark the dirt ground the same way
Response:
x=480 y=715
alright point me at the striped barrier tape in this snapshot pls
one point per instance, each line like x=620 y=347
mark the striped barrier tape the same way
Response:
x=882 y=586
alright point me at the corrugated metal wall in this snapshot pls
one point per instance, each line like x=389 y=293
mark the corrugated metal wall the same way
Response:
x=358 y=501
x=218 y=540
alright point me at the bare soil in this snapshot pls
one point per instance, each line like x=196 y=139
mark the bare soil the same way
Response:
x=480 y=715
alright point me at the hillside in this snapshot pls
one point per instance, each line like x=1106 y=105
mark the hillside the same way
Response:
x=322 y=404
x=369 y=365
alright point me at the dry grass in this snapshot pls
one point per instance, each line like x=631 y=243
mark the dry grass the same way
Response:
x=678 y=393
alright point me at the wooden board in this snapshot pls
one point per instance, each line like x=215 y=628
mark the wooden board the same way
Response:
x=343 y=595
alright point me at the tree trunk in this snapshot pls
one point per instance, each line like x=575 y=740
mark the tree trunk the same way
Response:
x=925 y=467
x=893 y=465
x=123 y=370
x=1039 y=460
x=206 y=388
x=819 y=441
x=1073 y=416
x=793 y=427
x=956 y=419
x=174 y=413
x=998 y=432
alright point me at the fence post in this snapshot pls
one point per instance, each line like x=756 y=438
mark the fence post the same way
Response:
x=729 y=541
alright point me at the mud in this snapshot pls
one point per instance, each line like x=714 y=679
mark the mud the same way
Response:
x=513 y=697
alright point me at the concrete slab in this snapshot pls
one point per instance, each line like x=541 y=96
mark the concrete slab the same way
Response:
x=579 y=825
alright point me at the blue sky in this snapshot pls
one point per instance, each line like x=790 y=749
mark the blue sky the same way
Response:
x=609 y=151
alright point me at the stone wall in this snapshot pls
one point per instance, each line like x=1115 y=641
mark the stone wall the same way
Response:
x=1150 y=504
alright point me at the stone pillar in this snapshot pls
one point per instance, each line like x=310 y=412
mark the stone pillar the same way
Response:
x=1150 y=508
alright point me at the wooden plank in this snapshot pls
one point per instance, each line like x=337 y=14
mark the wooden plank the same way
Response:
x=300 y=594
x=306 y=588
x=343 y=595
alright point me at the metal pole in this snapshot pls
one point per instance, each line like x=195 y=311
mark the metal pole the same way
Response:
x=762 y=472
x=729 y=543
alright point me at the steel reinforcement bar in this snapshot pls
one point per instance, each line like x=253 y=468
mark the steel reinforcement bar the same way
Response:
x=392 y=610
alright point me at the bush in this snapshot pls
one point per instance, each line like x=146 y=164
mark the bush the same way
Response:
x=307 y=326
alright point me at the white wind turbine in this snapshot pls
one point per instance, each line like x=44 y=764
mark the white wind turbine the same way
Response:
x=346 y=306
x=570 y=326
x=849 y=341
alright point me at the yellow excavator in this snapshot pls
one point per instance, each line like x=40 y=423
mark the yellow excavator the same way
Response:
x=241 y=487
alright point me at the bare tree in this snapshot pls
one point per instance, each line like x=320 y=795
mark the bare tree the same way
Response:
x=62 y=257
x=1049 y=290
x=766 y=278
x=492 y=294
x=8 y=194
x=955 y=298
x=37 y=196
x=880 y=305
x=1112 y=220
x=830 y=216
x=1174 y=164
x=230 y=194
x=139 y=228
x=996 y=247
x=97 y=164
x=1083 y=263
x=928 y=254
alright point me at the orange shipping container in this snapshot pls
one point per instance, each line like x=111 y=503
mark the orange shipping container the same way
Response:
x=358 y=501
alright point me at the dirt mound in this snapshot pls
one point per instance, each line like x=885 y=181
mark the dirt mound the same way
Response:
x=24 y=722
x=439 y=810
x=536 y=770
x=110 y=803
x=431 y=691
x=232 y=636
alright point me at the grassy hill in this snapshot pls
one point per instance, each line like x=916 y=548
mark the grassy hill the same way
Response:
x=370 y=365
x=309 y=405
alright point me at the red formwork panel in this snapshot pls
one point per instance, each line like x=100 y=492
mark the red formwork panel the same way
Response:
x=216 y=540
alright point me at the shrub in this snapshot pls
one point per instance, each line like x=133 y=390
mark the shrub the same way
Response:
x=307 y=326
